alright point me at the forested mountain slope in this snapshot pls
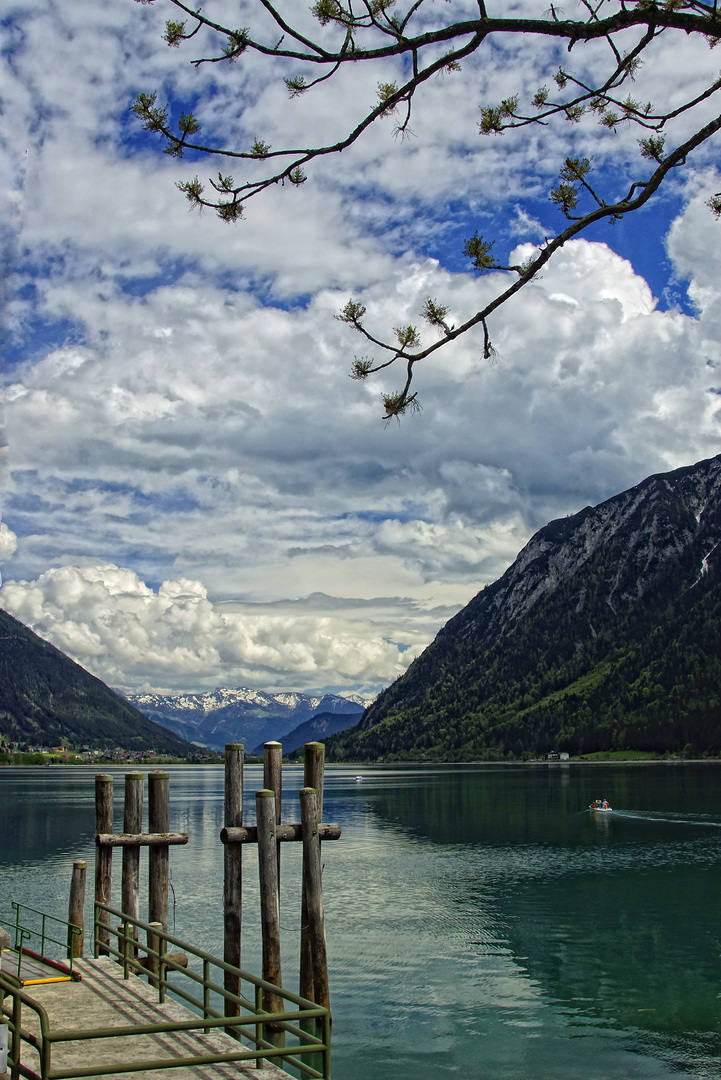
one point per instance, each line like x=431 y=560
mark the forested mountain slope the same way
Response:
x=46 y=697
x=605 y=633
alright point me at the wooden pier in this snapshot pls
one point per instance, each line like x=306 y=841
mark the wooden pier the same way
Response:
x=104 y=999
x=107 y=1020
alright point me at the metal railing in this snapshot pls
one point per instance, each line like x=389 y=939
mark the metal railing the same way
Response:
x=12 y=1016
x=261 y=1034
x=39 y=932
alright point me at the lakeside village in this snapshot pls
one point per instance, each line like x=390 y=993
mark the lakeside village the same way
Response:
x=20 y=753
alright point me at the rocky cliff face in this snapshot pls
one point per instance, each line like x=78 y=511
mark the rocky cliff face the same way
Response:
x=631 y=537
x=585 y=591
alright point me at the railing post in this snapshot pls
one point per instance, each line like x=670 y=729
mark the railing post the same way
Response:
x=103 y=857
x=128 y=948
x=132 y=823
x=326 y=1042
x=4 y=1029
x=269 y=913
x=4 y=1036
x=259 y=1028
x=46 y=1050
x=16 y=1040
x=158 y=822
x=233 y=875
x=162 y=970
x=206 y=989
x=154 y=951
x=76 y=909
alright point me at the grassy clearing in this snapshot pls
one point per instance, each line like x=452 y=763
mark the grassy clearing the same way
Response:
x=619 y=755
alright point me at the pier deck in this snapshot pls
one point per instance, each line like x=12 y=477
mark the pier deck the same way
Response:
x=103 y=999
x=34 y=969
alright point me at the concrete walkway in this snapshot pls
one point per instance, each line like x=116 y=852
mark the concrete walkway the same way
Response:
x=103 y=999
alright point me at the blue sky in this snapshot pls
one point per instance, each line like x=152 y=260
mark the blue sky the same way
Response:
x=194 y=492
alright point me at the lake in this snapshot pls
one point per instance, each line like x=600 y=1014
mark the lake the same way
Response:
x=480 y=922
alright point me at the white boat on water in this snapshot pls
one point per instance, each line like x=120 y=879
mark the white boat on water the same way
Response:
x=601 y=806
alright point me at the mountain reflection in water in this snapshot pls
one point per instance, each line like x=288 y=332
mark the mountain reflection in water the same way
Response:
x=480 y=921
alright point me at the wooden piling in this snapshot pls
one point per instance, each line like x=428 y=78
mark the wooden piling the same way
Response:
x=312 y=878
x=313 y=766
x=269 y=909
x=103 y=855
x=233 y=874
x=273 y=781
x=76 y=909
x=158 y=822
x=132 y=823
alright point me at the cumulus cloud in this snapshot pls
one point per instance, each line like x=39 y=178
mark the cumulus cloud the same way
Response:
x=202 y=452
x=199 y=492
x=132 y=636
x=8 y=544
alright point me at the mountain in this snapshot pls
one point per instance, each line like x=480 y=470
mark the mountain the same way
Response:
x=252 y=717
x=605 y=633
x=319 y=728
x=46 y=697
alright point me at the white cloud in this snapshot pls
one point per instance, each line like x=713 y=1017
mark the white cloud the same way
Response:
x=191 y=436
x=8 y=544
x=231 y=451
x=107 y=619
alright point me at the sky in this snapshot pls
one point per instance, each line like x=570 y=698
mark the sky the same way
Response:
x=194 y=492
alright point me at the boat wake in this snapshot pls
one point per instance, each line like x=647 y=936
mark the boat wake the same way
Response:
x=669 y=819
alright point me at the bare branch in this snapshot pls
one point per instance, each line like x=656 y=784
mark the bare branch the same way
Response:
x=369 y=31
x=626 y=205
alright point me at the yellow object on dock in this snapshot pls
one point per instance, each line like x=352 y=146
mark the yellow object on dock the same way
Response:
x=103 y=999
x=34 y=970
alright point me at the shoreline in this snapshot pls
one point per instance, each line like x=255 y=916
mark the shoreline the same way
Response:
x=254 y=760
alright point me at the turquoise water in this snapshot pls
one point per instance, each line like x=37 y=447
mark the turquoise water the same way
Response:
x=480 y=922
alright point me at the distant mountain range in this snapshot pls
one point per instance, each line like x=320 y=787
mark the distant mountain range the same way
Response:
x=319 y=728
x=46 y=697
x=605 y=633
x=251 y=717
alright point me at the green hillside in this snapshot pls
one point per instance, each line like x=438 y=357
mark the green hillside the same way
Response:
x=45 y=697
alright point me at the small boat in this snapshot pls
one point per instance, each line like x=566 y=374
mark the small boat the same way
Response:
x=359 y=779
x=601 y=806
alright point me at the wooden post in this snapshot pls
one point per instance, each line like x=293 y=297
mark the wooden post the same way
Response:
x=312 y=876
x=233 y=872
x=313 y=764
x=76 y=909
x=269 y=911
x=273 y=781
x=132 y=823
x=103 y=856
x=158 y=822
